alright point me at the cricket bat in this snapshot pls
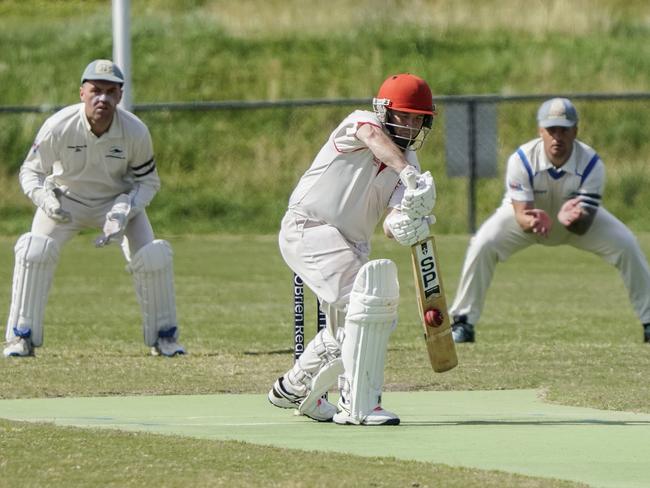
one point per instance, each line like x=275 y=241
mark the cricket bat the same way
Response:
x=433 y=306
x=431 y=301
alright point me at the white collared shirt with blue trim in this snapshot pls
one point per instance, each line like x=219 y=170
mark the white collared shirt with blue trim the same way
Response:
x=531 y=177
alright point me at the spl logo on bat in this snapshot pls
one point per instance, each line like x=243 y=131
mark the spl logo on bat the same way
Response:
x=428 y=274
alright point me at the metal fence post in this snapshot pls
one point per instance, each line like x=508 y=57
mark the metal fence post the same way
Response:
x=471 y=184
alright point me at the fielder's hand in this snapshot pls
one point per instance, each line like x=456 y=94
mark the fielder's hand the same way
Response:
x=116 y=220
x=570 y=212
x=46 y=200
x=541 y=222
x=408 y=231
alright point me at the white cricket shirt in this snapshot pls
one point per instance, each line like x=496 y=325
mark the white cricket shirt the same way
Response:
x=531 y=177
x=91 y=169
x=346 y=185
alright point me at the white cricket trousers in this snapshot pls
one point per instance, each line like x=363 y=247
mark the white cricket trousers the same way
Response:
x=326 y=261
x=500 y=237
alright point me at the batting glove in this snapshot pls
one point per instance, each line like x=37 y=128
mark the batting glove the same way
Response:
x=409 y=176
x=46 y=200
x=407 y=231
x=419 y=201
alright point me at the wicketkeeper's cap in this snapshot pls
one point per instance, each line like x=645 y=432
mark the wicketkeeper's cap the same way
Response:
x=103 y=70
x=557 y=112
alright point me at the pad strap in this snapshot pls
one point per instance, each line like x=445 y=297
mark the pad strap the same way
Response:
x=317 y=369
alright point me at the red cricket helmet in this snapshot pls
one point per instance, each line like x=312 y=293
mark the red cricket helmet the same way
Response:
x=405 y=93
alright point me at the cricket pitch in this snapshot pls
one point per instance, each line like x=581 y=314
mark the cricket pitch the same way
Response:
x=509 y=430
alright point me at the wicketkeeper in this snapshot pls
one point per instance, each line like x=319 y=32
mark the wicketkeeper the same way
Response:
x=355 y=179
x=92 y=166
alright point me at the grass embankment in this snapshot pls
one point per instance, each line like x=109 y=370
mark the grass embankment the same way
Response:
x=233 y=170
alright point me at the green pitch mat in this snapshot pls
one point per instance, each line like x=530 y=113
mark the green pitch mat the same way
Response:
x=505 y=430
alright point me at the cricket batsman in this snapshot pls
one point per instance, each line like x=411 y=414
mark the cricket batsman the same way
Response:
x=92 y=166
x=357 y=178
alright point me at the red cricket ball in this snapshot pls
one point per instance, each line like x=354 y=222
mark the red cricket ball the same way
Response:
x=433 y=317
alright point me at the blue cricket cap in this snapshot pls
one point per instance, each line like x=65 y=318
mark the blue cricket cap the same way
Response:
x=557 y=112
x=104 y=70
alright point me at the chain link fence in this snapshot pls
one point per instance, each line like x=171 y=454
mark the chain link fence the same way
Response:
x=228 y=164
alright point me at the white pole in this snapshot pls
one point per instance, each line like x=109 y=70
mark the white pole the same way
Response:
x=122 y=47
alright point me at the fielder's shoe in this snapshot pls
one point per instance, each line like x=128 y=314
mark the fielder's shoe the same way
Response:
x=19 y=347
x=284 y=395
x=461 y=331
x=646 y=333
x=378 y=416
x=166 y=344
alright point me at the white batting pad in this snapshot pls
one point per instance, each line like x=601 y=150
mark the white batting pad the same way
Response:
x=322 y=353
x=153 y=275
x=36 y=259
x=315 y=371
x=326 y=377
x=372 y=316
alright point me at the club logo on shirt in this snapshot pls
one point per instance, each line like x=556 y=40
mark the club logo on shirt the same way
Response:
x=116 y=152
x=513 y=185
x=78 y=148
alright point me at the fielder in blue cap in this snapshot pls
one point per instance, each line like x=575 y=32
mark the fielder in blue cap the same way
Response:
x=554 y=189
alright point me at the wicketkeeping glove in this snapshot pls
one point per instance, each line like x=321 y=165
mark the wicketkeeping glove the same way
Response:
x=46 y=199
x=407 y=231
x=116 y=220
x=419 y=201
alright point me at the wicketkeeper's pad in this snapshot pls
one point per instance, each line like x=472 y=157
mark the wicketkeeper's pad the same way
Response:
x=153 y=275
x=36 y=259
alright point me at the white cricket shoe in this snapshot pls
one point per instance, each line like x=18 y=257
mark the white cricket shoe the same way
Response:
x=378 y=416
x=19 y=347
x=167 y=346
x=284 y=395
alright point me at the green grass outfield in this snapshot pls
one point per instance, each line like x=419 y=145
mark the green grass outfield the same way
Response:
x=576 y=343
